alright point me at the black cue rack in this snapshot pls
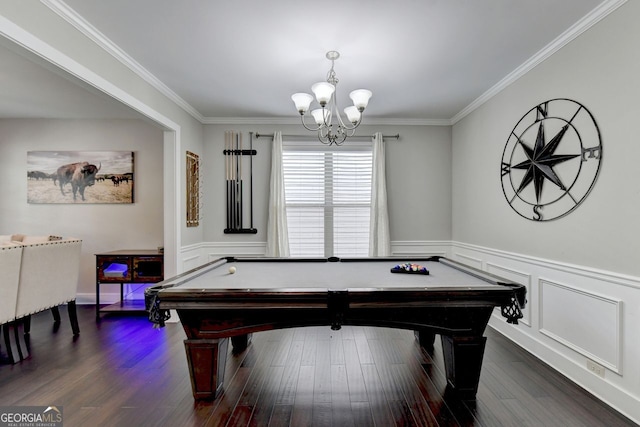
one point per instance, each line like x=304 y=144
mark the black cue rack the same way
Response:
x=234 y=152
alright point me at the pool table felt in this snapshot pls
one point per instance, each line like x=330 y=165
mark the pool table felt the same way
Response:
x=327 y=275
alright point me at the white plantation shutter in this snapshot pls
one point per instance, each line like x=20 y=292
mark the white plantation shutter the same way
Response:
x=328 y=199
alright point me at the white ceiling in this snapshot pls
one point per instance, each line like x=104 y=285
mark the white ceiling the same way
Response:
x=424 y=60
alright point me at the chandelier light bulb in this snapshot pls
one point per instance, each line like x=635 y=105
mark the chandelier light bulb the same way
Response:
x=302 y=101
x=360 y=98
x=322 y=116
x=353 y=115
x=323 y=92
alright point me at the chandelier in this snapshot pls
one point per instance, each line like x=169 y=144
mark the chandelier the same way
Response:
x=329 y=132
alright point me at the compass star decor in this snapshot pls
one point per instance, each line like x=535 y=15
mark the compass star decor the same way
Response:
x=551 y=160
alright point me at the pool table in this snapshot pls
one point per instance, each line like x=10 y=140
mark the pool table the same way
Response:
x=215 y=305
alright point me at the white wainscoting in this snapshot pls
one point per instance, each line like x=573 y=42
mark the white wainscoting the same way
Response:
x=420 y=248
x=594 y=330
x=471 y=261
x=581 y=321
x=195 y=255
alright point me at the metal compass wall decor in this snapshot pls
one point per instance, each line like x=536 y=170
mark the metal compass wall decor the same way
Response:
x=551 y=160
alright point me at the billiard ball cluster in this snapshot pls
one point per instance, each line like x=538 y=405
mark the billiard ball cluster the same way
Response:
x=409 y=268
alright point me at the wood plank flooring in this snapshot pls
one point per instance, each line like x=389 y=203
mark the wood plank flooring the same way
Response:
x=123 y=372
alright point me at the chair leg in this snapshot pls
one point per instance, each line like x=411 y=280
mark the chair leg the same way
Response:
x=56 y=314
x=12 y=355
x=26 y=324
x=73 y=317
x=15 y=341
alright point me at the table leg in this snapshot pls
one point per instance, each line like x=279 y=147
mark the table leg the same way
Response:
x=206 y=359
x=97 y=300
x=463 y=362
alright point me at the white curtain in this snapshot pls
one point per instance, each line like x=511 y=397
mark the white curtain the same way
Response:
x=379 y=240
x=277 y=232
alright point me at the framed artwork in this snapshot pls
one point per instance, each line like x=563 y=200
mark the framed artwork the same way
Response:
x=193 y=189
x=80 y=176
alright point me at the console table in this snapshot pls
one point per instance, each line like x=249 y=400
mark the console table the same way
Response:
x=127 y=266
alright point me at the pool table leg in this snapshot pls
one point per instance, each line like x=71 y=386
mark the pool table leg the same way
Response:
x=463 y=362
x=426 y=339
x=240 y=343
x=206 y=359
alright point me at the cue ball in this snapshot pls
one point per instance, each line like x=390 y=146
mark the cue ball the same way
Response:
x=232 y=270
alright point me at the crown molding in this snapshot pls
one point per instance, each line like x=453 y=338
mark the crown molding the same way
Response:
x=408 y=122
x=589 y=20
x=82 y=25
x=251 y=121
x=296 y=121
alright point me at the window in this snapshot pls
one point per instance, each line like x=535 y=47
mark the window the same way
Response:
x=328 y=199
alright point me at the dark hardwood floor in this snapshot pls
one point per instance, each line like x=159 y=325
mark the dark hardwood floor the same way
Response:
x=123 y=372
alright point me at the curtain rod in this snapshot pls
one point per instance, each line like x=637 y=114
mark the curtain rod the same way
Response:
x=267 y=135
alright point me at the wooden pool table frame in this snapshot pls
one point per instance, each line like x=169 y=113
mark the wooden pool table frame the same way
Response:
x=459 y=316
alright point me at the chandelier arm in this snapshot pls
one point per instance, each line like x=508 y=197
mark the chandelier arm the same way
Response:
x=335 y=105
x=324 y=138
x=351 y=126
x=350 y=132
x=329 y=108
x=307 y=127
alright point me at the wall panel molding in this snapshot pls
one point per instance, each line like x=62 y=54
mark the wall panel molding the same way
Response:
x=594 y=330
x=468 y=260
x=420 y=248
x=592 y=273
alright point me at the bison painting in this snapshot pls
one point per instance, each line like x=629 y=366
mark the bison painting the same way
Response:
x=80 y=175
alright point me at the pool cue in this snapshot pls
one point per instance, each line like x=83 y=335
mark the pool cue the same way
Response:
x=229 y=182
x=237 y=181
x=230 y=153
x=240 y=216
x=233 y=181
x=251 y=177
x=226 y=171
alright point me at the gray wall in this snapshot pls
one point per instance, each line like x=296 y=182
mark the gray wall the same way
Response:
x=418 y=180
x=102 y=227
x=581 y=271
x=600 y=70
